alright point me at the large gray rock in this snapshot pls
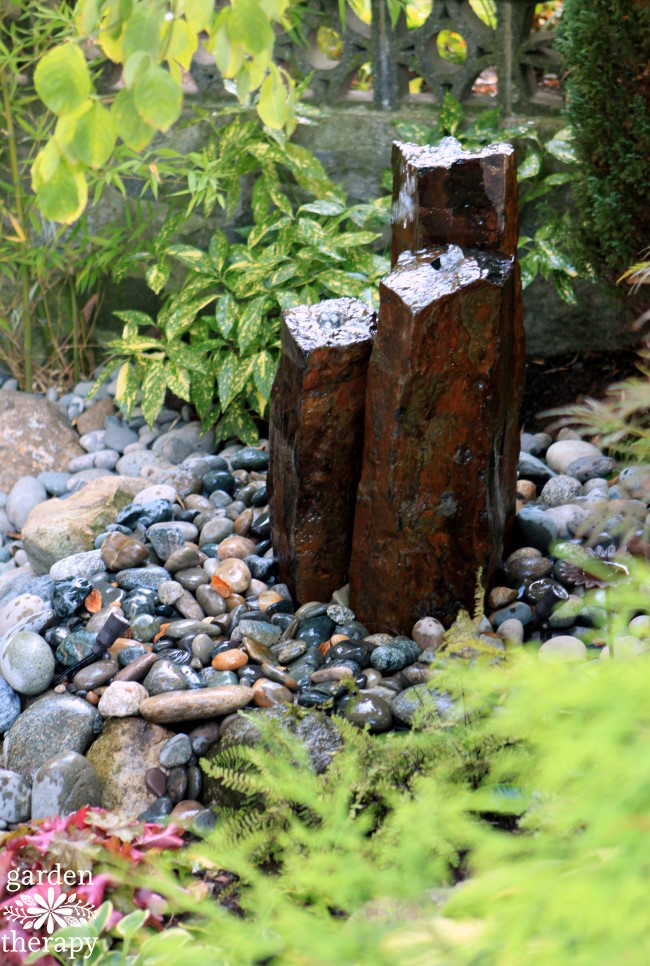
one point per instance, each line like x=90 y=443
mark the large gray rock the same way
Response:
x=27 y=663
x=59 y=528
x=9 y=705
x=177 y=444
x=51 y=725
x=26 y=493
x=121 y=756
x=63 y=784
x=35 y=436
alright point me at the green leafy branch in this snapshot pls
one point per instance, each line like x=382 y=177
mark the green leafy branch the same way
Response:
x=153 y=41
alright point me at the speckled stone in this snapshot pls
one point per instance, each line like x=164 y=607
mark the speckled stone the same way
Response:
x=52 y=724
x=260 y=631
x=25 y=605
x=388 y=660
x=122 y=699
x=163 y=677
x=15 y=797
x=63 y=784
x=75 y=647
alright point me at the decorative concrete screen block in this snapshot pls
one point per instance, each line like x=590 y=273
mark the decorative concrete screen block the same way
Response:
x=445 y=195
x=317 y=413
x=441 y=436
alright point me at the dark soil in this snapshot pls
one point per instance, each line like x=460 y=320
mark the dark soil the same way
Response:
x=571 y=378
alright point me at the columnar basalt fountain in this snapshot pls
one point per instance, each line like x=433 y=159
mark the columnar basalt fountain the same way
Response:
x=317 y=414
x=440 y=394
x=440 y=454
x=447 y=196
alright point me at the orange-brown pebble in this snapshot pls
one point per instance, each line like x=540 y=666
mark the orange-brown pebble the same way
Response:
x=268 y=597
x=92 y=698
x=230 y=660
x=234 y=601
x=235 y=547
x=243 y=522
x=526 y=490
x=185 y=810
x=338 y=638
x=267 y=693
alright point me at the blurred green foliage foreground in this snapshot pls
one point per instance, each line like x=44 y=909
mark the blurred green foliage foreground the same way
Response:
x=513 y=830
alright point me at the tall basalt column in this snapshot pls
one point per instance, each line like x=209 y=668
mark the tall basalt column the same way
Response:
x=445 y=195
x=316 y=441
x=441 y=436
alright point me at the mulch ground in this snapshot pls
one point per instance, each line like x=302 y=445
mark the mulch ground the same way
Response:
x=571 y=378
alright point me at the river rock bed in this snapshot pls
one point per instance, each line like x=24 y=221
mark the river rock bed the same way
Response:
x=140 y=611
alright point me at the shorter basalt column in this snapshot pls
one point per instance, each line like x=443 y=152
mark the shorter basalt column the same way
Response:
x=316 y=442
x=445 y=195
x=441 y=436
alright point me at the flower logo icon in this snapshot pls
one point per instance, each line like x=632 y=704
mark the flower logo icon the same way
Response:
x=38 y=912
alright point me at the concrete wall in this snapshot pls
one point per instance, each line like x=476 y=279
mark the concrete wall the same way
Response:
x=353 y=141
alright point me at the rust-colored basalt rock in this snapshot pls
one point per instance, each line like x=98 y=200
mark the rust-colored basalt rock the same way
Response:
x=445 y=195
x=317 y=414
x=441 y=436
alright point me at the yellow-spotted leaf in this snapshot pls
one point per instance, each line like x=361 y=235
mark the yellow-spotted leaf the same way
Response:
x=154 y=388
x=62 y=80
x=158 y=98
x=218 y=250
x=264 y=369
x=129 y=125
x=192 y=258
x=232 y=378
x=238 y=422
x=250 y=322
x=127 y=387
x=178 y=380
x=225 y=313
x=156 y=278
x=203 y=394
